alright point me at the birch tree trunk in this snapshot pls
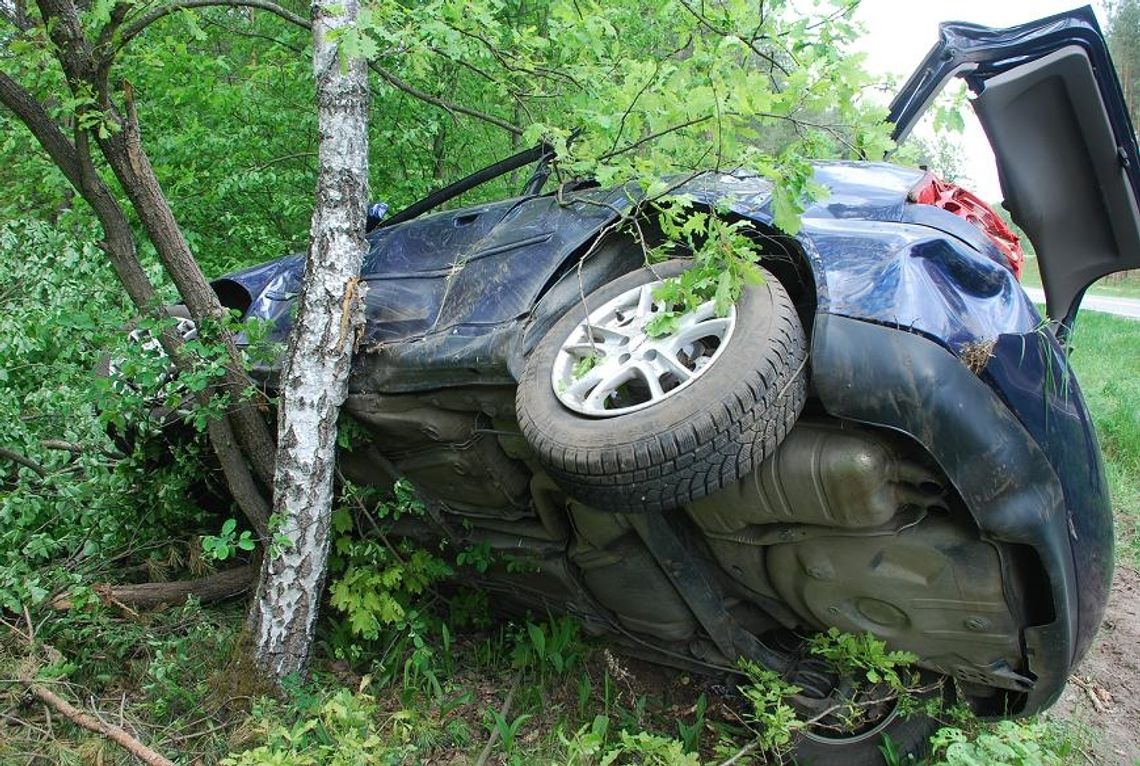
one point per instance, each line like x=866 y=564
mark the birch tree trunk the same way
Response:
x=315 y=379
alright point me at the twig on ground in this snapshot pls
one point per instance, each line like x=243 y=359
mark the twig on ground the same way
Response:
x=14 y=721
x=31 y=628
x=741 y=753
x=1100 y=697
x=114 y=733
x=483 y=756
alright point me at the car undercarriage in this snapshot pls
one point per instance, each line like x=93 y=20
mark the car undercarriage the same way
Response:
x=844 y=525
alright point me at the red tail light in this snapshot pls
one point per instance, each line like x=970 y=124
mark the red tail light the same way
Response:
x=932 y=190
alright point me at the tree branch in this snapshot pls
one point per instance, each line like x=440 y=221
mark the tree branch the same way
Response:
x=26 y=462
x=16 y=14
x=722 y=33
x=131 y=29
x=74 y=162
x=138 y=24
x=118 y=735
x=122 y=148
x=654 y=136
x=411 y=90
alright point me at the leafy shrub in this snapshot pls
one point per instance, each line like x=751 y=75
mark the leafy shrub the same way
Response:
x=862 y=655
x=60 y=307
x=1006 y=743
x=377 y=582
x=343 y=731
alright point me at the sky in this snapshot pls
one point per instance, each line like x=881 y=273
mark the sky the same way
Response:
x=900 y=33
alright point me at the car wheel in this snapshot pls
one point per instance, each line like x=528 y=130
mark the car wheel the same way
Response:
x=652 y=423
x=168 y=420
x=907 y=734
x=899 y=730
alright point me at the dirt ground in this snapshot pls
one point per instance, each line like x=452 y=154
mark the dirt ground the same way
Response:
x=1103 y=696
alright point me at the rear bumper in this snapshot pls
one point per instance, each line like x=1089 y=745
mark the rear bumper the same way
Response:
x=999 y=438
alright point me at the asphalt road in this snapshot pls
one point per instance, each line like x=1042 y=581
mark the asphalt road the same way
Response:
x=1123 y=307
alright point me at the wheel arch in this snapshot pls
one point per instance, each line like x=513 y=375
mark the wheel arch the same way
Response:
x=784 y=256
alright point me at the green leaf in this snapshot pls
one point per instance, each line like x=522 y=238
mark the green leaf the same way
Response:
x=537 y=639
x=724 y=293
x=786 y=212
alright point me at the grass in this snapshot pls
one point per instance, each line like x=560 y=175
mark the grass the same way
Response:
x=1122 y=285
x=1106 y=359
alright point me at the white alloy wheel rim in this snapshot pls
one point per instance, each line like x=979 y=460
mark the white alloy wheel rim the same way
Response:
x=632 y=370
x=872 y=733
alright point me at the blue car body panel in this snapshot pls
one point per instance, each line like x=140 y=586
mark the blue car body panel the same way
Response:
x=872 y=254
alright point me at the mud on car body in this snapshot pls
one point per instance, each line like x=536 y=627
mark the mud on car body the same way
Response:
x=885 y=436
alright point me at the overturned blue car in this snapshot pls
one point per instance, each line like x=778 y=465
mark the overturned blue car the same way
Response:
x=884 y=437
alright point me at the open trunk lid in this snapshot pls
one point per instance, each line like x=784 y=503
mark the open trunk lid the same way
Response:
x=1050 y=102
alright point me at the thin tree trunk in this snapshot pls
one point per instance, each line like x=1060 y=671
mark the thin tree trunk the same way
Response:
x=129 y=162
x=118 y=241
x=315 y=377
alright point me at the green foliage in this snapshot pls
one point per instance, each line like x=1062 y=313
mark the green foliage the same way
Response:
x=724 y=261
x=380 y=584
x=936 y=141
x=552 y=646
x=158 y=674
x=228 y=542
x=734 y=86
x=590 y=745
x=1123 y=35
x=341 y=731
x=584 y=365
x=863 y=655
x=507 y=730
x=690 y=734
x=774 y=721
x=58 y=309
x=479 y=557
x=648 y=749
x=587 y=743
x=1006 y=743
x=1104 y=360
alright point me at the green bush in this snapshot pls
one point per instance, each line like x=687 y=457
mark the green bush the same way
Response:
x=79 y=503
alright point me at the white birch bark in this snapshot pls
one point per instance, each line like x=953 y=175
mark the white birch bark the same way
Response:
x=315 y=378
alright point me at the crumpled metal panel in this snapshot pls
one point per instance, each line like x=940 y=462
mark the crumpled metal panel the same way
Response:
x=874 y=258
x=446 y=292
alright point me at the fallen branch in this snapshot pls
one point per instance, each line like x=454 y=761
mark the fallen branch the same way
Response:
x=59 y=444
x=486 y=753
x=215 y=587
x=26 y=462
x=118 y=735
x=1100 y=697
x=741 y=753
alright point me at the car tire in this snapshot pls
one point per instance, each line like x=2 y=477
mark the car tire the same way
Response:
x=909 y=736
x=905 y=735
x=663 y=453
